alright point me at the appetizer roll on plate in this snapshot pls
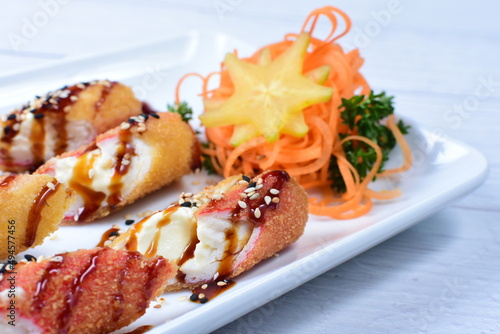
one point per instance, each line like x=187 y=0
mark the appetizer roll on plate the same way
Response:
x=224 y=230
x=31 y=208
x=62 y=121
x=121 y=165
x=87 y=291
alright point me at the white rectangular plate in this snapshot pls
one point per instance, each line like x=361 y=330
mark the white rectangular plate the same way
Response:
x=443 y=171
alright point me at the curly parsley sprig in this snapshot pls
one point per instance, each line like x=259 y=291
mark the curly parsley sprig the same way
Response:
x=363 y=116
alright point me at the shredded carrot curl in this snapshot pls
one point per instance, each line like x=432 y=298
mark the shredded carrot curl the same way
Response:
x=307 y=158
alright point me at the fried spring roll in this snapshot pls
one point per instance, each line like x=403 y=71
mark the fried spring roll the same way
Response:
x=224 y=230
x=62 y=121
x=31 y=208
x=141 y=155
x=87 y=291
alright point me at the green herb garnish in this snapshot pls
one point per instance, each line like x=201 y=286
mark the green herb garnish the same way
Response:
x=363 y=116
x=182 y=109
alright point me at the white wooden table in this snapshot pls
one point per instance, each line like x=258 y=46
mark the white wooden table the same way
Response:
x=440 y=60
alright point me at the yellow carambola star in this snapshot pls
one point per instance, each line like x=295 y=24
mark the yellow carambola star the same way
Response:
x=269 y=97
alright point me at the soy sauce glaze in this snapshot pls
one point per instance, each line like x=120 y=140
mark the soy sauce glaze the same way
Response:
x=188 y=253
x=55 y=106
x=52 y=269
x=5 y=182
x=35 y=213
x=124 y=154
x=208 y=291
x=81 y=183
x=107 y=234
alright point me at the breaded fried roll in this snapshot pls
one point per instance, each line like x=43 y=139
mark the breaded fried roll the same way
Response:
x=93 y=291
x=61 y=121
x=224 y=230
x=31 y=208
x=141 y=155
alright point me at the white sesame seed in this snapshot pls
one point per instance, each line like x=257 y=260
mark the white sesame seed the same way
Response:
x=274 y=191
x=80 y=85
x=53 y=101
x=217 y=197
x=204 y=286
x=201 y=295
x=16 y=127
x=242 y=182
x=221 y=283
x=73 y=98
x=275 y=200
x=251 y=194
x=125 y=126
x=76 y=216
x=267 y=199
x=182 y=298
x=51 y=186
x=188 y=195
x=243 y=195
x=242 y=204
x=259 y=181
x=91 y=173
x=57 y=258
x=259 y=186
x=125 y=162
x=257 y=213
x=67 y=109
x=249 y=190
x=254 y=196
x=181 y=200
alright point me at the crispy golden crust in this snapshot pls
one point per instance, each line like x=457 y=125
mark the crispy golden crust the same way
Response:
x=174 y=153
x=18 y=199
x=277 y=229
x=105 y=106
x=87 y=291
x=281 y=227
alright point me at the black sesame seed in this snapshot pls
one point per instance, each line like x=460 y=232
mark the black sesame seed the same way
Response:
x=129 y=222
x=29 y=257
x=252 y=185
x=33 y=111
x=37 y=96
x=114 y=234
x=6 y=130
x=246 y=178
x=193 y=297
x=203 y=300
x=186 y=204
x=155 y=115
x=11 y=117
x=146 y=116
x=39 y=116
x=131 y=120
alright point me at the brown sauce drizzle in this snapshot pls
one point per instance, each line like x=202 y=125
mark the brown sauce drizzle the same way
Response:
x=9 y=132
x=125 y=151
x=35 y=213
x=141 y=330
x=104 y=95
x=212 y=290
x=60 y=109
x=53 y=267
x=5 y=182
x=75 y=289
x=82 y=184
x=37 y=139
x=188 y=253
x=106 y=235
x=153 y=247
